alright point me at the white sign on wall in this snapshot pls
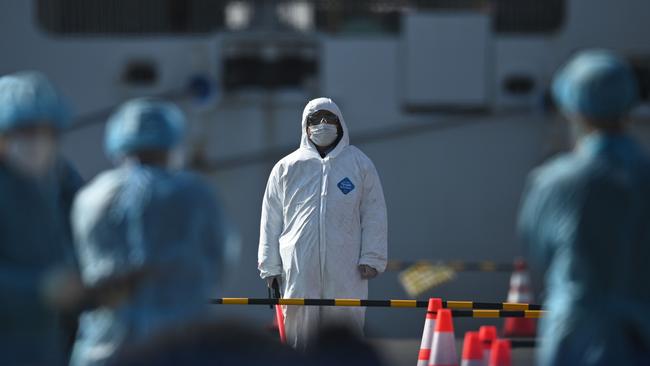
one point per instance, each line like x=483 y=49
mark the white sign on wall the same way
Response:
x=446 y=60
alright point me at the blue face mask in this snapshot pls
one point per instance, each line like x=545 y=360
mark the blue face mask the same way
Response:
x=323 y=134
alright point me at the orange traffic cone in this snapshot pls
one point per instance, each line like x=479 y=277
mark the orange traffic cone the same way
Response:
x=443 y=347
x=279 y=316
x=487 y=334
x=427 y=333
x=472 y=350
x=500 y=355
x=519 y=292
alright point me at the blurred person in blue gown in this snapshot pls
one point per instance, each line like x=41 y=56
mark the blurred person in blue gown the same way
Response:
x=157 y=230
x=586 y=221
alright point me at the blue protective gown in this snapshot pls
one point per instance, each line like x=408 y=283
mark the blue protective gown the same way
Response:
x=138 y=217
x=586 y=220
x=34 y=238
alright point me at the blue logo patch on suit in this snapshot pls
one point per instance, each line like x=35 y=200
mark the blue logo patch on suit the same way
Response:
x=345 y=185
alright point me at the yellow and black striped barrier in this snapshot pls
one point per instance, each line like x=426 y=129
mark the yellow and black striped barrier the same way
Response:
x=458 y=266
x=467 y=309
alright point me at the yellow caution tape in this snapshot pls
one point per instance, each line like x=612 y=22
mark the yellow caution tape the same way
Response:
x=235 y=301
x=486 y=313
x=403 y=303
x=514 y=306
x=459 y=304
x=347 y=302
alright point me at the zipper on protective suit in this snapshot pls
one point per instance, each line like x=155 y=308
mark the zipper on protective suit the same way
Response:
x=322 y=248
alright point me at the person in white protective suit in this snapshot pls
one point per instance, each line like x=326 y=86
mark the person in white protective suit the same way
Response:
x=323 y=230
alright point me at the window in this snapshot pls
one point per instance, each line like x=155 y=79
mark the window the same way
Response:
x=360 y=16
x=133 y=17
x=260 y=63
x=528 y=16
x=509 y=16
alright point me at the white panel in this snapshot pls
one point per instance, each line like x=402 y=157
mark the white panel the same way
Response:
x=446 y=58
x=360 y=75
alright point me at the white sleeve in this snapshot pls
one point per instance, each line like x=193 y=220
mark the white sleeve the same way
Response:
x=374 y=225
x=271 y=226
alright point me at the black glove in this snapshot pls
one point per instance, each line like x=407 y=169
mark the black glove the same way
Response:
x=367 y=272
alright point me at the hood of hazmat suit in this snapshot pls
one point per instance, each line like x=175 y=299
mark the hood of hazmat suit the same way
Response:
x=597 y=84
x=586 y=221
x=28 y=99
x=321 y=218
x=144 y=124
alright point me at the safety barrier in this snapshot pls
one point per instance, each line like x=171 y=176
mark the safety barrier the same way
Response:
x=458 y=266
x=466 y=309
x=523 y=343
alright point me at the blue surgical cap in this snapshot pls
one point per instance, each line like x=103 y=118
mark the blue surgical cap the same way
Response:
x=596 y=84
x=28 y=99
x=144 y=124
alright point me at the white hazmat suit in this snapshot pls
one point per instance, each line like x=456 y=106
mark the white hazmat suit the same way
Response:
x=321 y=219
